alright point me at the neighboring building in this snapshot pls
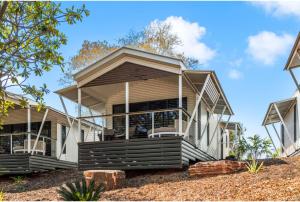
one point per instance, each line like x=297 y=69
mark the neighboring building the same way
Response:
x=283 y=115
x=155 y=112
x=43 y=133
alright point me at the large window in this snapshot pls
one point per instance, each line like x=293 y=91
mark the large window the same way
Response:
x=18 y=140
x=63 y=138
x=162 y=119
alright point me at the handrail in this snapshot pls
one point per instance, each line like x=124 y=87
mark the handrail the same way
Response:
x=25 y=133
x=133 y=113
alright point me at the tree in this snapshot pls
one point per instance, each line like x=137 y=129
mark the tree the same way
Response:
x=156 y=38
x=29 y=45
x=254 y=147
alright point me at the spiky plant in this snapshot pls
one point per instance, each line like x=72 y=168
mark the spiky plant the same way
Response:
x=2 y=195
x=80 y=191
x=253 y=166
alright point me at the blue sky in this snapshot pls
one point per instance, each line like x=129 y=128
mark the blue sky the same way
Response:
x=250 y=69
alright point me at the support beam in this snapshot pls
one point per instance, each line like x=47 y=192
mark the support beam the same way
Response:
x=208 y=120
x=79 y=112
x=29 y=128
x=284 y=125
x=68 y=116
x=270 y=138
x=127 y=110
x=294 y=79
x=180 y=103
x=197 y=121
x=196 y=106
x=40 y=131
x=215 y=130
x=279 y=139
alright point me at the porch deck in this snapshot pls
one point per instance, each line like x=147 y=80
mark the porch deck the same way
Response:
x=142 y=153
x=26 y=163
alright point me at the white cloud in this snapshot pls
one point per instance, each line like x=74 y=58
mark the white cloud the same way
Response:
x=190 y=34
x=280 y=8
x=266 y=46
x=236 y=62
x=235 y=74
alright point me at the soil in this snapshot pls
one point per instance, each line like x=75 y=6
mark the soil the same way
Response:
x=278 y=180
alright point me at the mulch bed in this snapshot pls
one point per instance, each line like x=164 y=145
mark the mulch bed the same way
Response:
x=279 y=180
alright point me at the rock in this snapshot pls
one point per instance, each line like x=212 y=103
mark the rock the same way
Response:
x=216 y=168
x=110 y=179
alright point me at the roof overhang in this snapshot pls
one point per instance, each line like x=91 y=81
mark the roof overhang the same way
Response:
x=197 y=79
x=294 y=57
x=128 y=55
x=283 y=106
x=232 y=125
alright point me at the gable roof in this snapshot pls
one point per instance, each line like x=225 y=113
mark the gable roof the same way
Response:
x=126 y=54
x=294 y=59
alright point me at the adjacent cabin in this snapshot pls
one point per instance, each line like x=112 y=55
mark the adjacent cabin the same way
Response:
x=155 y=112
x=283 y=116
x=33 y=141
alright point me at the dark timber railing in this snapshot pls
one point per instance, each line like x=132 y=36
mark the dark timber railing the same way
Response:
x=26 y=163
x=144 y=153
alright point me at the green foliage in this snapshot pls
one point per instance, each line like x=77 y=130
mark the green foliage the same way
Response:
x=253 y=166
x=18 y=179
x=30 y=40
x=276 y=153
x=156 y=38
x=254 y=147
x=2 y=195
x=80 y=191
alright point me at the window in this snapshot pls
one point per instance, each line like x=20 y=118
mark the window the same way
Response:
x=82 y=135
x=163 y=119
x=295 y=123
x=63 y=137
x=207 y=118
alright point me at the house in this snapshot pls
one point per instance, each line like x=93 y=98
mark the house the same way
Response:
x=31 y=140
x=155 y=112
x=283 y=115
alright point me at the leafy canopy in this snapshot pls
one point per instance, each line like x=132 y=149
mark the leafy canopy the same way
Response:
x=156 y=38
x=29 y=45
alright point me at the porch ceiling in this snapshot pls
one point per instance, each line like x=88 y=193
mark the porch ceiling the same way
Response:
x=284 y=107
x=197 y=79
x=231 y=125
x=294 y=57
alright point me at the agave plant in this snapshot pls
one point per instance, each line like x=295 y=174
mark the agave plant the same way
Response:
x=80 y=191
x=253 y=166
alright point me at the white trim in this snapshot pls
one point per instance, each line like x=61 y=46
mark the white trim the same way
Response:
x=40 y=131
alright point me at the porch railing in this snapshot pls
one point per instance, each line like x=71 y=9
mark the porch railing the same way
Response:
x=25 y=142
x=151 y=124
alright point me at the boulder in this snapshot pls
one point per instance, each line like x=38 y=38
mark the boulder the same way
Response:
x=216 y=168
x=110 y=179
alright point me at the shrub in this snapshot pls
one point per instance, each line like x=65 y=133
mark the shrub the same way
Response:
x=80 y=191
x=18 y=180
x=253 y=166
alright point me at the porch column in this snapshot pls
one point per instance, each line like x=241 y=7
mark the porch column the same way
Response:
x=197 y=122
x=180 y=103
x=127 y=110
x=79 y=112
x=29 y=129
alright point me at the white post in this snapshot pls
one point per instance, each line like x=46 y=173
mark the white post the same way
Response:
x=284 y=125
x=127 y=110
x=180 y=103
x=11 y=144
x=28 y=129
x=279 y=139
x=152 y=117
x=40 y=130
x=196 y=124
x=79 y=112
x=102 y=129
x=67 y=135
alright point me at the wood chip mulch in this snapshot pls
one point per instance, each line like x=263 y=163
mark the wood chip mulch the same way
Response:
x=279 y=180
